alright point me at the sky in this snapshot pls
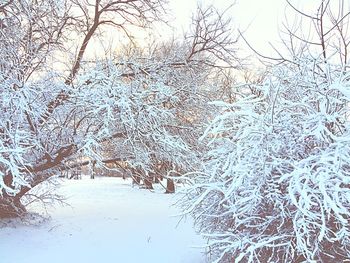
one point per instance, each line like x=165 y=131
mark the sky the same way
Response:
x=259 y=19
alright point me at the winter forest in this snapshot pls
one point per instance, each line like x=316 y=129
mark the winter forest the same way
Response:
x=250 y=150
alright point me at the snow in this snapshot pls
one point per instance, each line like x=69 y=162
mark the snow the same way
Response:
x=107 y=221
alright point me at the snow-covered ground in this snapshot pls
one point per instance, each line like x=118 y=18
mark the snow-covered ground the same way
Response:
x=108 y=221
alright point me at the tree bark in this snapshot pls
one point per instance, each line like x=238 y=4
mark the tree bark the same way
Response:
x=136 y=178
x=156 y=179
x=148 y=182
x=10 y=207
x=170 y=186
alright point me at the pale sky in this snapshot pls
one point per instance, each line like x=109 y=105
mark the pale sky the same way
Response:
x=261 y=21
x=260 y=18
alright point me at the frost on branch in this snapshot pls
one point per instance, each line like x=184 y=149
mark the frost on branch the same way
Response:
x=14 y=142
x=135 y=119
x=276 y=182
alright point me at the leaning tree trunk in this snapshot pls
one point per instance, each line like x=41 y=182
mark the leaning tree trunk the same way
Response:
x=148 y=179
x=136 y=178
x=10 y=206
x=156 y=179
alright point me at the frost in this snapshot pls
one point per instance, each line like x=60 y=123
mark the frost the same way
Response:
x=275 y=182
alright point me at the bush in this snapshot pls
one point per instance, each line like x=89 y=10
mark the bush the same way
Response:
x=275 y=182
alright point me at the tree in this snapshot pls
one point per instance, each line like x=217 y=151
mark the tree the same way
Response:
x=147 y=107
x=38 y=133
x=274 y=187
x=25 y=47
x=185 y=69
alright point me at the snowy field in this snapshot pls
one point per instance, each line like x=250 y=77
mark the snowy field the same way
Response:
x=107 y=221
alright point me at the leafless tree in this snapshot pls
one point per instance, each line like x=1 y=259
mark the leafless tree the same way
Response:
x=212 y=40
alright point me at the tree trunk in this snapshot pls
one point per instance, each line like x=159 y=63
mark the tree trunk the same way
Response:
x=170 y=186
x=156 y=179
x=92 y=176
x=148 y=182
x=11 y=207
x=136 y=179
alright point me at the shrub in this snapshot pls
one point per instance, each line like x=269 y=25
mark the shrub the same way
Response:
x=275 y=182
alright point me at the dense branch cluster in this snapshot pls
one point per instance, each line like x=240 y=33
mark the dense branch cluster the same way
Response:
x=144 y=109
x=276 y=181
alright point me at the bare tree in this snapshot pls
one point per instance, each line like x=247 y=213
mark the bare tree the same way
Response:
x=212 y=40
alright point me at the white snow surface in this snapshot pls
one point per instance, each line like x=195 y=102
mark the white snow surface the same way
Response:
x=108 y=221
